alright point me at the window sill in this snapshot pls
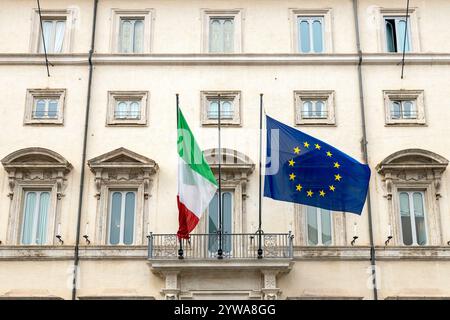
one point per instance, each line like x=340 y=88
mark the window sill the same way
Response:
x=316 y=123
x=224 y=124
x=426 y=253
x=26 y=252
x=126 y=124
x=44 y=123
x=406 y=124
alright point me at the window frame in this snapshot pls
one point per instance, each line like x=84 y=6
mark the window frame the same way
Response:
x=410 y=193
x=327 y=29
x=328 y=96
x=233 y=208
x=25 y=192
x=115 y=96
x=124 y=192
x=207 y=96
x=69 y=15
x=147 y=15
x=396 y=19
x=36 y=94
x=120 y=40
x=237 y=15
x=416 y=96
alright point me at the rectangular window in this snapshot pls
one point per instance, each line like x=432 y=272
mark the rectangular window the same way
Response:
x=310 y=34
x=404 y=107
x=122 y=217
x=319 y=226
x=226 y=109
x=314 y=107
x=397 y=34
x=35 y=217
x=213 y=225
x=127 y=109
x=229 y=107
x=221 y=34
x=45 y=108
x=412 y=215
x=131 y=35
x=53 y=33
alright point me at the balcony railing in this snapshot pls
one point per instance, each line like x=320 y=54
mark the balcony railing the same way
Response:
x=234 y=246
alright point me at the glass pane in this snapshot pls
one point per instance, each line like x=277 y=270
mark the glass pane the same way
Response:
x=47 y=27
x=41 y=233
x=305 y=42
x=215 y=36
x=28 y=217
x=129 y=218
x=138 y=36
x=396 y=110
x=307 y=109
x=390 y=36
x=401 y=28
x=320 y=110
x=326 y=227
x=39 y=112
x=125 y=37
x=59 y=36
x=227 y=219
x=317 y=36
x=228 y=34
x=405 y=218
x=53 y=109
x=226 y=110
x=213 y=110
x=114 y=230
x=419 y=218
x=135 y=110
x=408 y=110
x=213 y=225
x=311 y=215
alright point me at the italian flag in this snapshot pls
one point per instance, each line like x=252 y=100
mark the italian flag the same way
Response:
x=196 y=182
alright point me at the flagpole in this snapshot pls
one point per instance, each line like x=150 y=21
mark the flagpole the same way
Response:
x=260 y=251
x=180 y=250
x=220 y=252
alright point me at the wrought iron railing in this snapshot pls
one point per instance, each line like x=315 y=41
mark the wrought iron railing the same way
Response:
x=234 y=246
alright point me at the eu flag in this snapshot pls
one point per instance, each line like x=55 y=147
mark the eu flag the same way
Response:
x=306 y=170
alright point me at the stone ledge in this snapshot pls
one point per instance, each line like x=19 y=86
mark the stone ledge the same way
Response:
x=331 y=253
x=29 y=253
x=429 y=253
x=112 y=252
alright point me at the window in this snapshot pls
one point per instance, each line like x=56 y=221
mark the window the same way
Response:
x=319 y=226
x=412 y=218
x=131 y=35
x=122 y=212
x=54 y=31
x=131 y=31
x=213 y=224
x=314 y=107
x=396 y=29
x=35 y=217
x=222 y=31
x=229 y=107
x=44 y=106
x=310 y=31
x=221 y=35
x=404 y=107
x=127 y=108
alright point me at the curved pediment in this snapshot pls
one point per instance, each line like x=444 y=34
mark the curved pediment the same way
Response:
x=35 y=157
x=411 y=159
x=231 y=159
x=122 y=158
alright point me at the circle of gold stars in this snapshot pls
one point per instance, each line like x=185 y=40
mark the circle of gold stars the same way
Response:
x=298 y=186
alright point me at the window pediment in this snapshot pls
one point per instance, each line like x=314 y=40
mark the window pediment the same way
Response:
x=123 y=158
x=232 y=161
x=412 y=159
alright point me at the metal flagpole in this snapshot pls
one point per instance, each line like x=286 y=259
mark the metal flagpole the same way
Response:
x=180 y=250
x=260 y=250
x=405 y=37
x=43 y=40
x=219 y=252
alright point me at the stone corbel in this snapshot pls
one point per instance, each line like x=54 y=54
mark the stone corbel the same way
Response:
x=98 y=183
x=270 y=289
x=59 y=185
x=171 y=291
x=147 y=184
x=388 y=185
x=437 y=184
x=11 y=183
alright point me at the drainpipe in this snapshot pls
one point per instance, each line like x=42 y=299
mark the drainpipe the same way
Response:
x=83 y=158
x=364 y=146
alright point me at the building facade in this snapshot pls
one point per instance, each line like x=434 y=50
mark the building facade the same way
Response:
x=88 y=182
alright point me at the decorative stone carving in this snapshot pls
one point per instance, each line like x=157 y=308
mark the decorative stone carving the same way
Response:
x=39 y=168
x=122 y=168
x=270 y=289
x=414 y=169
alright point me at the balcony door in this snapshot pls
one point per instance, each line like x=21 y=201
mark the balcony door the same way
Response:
x=213 y=224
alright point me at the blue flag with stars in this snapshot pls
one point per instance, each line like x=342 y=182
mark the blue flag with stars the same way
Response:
x=305 y=170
